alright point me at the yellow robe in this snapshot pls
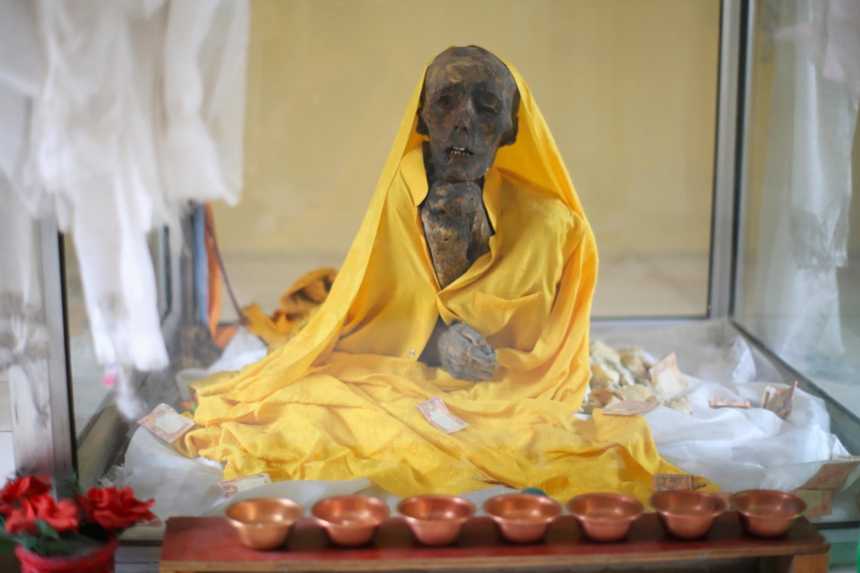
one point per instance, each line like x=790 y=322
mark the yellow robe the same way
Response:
x=338 y=401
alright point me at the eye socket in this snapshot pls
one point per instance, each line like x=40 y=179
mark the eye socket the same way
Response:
x=488 y=109
x=488 y=104
x=444 y=101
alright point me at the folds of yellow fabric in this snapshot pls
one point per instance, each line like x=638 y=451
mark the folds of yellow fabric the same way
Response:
x=347 y=420
x=339 y=400
x=354 y=413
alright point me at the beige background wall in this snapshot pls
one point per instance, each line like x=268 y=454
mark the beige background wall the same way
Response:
x=628 y=88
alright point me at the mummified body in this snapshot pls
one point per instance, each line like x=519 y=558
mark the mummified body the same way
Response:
x=344 y=398
x=456 y=228
x=468 y=110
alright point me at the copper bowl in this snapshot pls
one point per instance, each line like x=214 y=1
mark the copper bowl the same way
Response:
x=605 y=516
x=263 y=523
x=436 y=519
x=767 y=512
x=350 y=519
x=688 y=514
x=522 y=518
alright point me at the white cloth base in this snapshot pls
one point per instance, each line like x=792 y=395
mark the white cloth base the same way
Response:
x=738 y=449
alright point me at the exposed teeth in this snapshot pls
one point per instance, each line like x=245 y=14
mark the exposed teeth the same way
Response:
x=459 y=151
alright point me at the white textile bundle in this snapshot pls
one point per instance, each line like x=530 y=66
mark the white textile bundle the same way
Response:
x=130 y=109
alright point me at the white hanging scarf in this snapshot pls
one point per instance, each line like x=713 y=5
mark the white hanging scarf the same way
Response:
x=131 y=109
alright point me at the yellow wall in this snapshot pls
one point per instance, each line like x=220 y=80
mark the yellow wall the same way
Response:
x=628 y=88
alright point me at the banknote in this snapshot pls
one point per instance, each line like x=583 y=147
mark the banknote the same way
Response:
x=672 y=482
x=231 y=487
x=667 y=379
x=833 y=474
x=630 y=407
x=166 y=424
x=778 y=400
x=437 y=413
x=729 y=403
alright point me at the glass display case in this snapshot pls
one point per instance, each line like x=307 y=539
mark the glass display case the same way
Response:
x=712 y=149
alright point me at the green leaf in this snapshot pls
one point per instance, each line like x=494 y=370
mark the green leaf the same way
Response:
x=67 y=486
x=28 y=542
x=46 y=530
x=74 y=544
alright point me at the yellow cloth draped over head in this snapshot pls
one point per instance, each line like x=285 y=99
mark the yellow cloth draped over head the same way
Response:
x=339 y=400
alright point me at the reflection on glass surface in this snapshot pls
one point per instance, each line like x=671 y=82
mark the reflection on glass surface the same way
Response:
x=800 y=257
x=632 y=111
x=26 y=338
x=88 y=392
x=633 y=115
x=638 y=140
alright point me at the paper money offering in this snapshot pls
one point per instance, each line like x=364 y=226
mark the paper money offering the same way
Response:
x=166 y=424
x=728 y=403
x=818 y=502
x=667 y=379
x=231 y=487
x=673 y=482
x=630 y=407
x=833 y=474
x=437 y=413
x=778 y=400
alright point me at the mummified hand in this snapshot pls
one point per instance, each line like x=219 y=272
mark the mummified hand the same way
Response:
x=465 y=354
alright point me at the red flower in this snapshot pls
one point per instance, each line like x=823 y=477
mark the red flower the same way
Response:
x=116 y=509
x=20 y=489
x=62 y=515
x=22 y=519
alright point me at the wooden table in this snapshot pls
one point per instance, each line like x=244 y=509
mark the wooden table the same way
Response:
x=193 y=544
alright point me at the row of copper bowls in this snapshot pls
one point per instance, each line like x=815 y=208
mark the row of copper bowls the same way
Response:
x=522 y=518
x=687 y=514
x=763 y=512
x=265 y=523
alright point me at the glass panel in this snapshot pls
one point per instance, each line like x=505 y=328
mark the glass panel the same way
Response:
x=88 y=392
x=799 y=259
x=633 y=113
x=21 y=314
x=32 y=372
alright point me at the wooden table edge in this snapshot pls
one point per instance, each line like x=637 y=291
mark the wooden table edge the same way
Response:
x=479 y=562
